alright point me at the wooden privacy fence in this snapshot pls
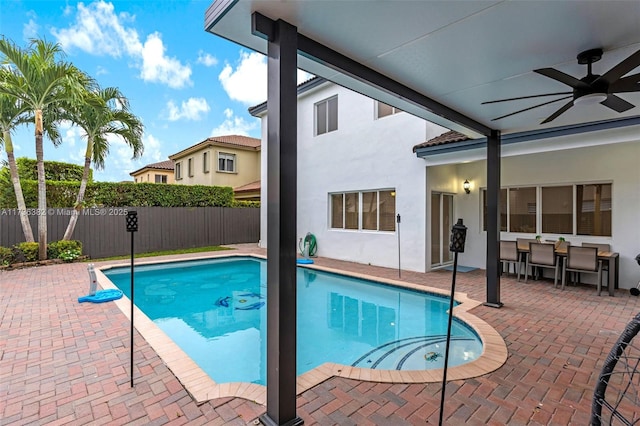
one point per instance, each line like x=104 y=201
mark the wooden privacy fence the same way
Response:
x=103 y=230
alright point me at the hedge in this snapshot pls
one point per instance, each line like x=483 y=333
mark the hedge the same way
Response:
x=121 y=194
x=53 y=170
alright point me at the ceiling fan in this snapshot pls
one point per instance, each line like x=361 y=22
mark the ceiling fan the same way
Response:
x=590 y=89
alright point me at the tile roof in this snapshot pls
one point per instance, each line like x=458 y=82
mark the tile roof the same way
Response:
x=253 y=186
x=450 y=137
x=161 y=165
x=228 y=140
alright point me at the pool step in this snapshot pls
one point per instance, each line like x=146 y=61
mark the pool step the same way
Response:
x=411 y=353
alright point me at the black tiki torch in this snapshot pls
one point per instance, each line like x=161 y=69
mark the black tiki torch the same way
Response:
x=132 y=227
x=458 y=236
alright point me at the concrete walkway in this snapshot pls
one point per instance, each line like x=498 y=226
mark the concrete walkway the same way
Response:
x=62 y=362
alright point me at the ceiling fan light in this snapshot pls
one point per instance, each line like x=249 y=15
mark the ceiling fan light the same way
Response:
x=590 y=99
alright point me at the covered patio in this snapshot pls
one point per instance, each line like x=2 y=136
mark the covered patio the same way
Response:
x=444 y=62
x=68 y=363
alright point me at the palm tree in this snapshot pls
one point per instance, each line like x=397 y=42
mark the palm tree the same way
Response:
x=105 y=112
x=12 y=114
x=40 y=81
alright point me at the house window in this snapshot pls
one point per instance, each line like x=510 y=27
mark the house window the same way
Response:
x=366 y=210
x=161 y=178
x=593 y=209
x=205 y=162
x=581 y=209
x=178 y=171
x=557 y=209
x=383 y=110
x=190 y=167
x=226 y=162
x=522 y=209
x=517 y=209
x=326 y=116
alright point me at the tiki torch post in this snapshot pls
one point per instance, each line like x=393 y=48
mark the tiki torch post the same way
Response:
x=132 y=227
x=458 y=237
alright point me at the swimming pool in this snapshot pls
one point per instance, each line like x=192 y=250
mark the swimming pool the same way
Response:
x=215 y=310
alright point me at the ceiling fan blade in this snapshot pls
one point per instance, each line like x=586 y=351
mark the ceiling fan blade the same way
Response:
x=617 y=104
x=632 y=62
x=535 y=106
x=626 y=84
x=526 y=97
x=559 y=112
x=562 y=77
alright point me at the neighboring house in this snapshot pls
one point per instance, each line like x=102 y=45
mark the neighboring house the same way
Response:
x=361 y=163
x=248 y=192
x=161 y=172
x=220 y=160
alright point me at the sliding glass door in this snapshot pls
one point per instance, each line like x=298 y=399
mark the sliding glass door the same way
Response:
x=441 y=223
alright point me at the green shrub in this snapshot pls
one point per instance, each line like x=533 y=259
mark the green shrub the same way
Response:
x=6 y=256
x=245 y=204
x=121 y=194
x=56 y=248
x=26 y=252
x=69 y=255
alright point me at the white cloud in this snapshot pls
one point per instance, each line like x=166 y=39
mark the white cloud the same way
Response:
x=233 y=125
x=30 y=29
x=248 y=82
x=207 y=59
x=98 y=30
x=101 y=70
x=192 y=109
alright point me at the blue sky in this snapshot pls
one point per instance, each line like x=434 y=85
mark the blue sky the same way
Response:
x=184 y=83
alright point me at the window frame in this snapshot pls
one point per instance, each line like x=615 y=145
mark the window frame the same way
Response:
x=324 y=104
x=224 y=155
x=190 y=167
x=205 y=162
x=360 y=210
x=377 y=115
x=575 y=231
x=178 y=170
x=163 y=178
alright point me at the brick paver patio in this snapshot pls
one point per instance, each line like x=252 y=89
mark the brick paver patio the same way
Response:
x=62 y=362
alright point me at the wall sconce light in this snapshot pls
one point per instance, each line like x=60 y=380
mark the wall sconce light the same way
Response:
x=467 y=186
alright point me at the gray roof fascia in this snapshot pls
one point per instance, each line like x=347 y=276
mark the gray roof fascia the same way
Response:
x=302 y=88
x=529 y=136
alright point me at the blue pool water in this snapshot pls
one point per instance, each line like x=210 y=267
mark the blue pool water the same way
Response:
x=215 y=310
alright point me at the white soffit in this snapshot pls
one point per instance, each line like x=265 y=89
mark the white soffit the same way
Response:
x=460 y=53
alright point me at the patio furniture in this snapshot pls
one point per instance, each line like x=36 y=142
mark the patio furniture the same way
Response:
x=509 y=255
x=542 y=255
x=583 y=259
x=602 y=247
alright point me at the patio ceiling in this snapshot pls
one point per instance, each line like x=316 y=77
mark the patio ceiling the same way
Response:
x=459 y=54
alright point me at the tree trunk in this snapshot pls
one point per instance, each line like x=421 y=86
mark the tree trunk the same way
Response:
x=79 y=199
x=17 y=188
x=42 y=190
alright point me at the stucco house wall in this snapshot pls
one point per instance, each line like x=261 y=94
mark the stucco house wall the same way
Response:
x=364 y=153
x=247 y=163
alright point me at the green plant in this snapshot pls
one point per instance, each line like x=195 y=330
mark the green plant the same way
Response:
x=26 y=252
x=55 y=248
x=6 y=256
x=538 y=237
x=561 y=239
x=69 y=255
